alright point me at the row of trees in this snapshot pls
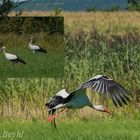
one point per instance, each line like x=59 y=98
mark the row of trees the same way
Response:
x=133 y=5
x=5 y=7
x=32 y=25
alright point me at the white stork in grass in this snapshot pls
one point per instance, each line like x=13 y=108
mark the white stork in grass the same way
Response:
x=79 y=99
x=35 y=48
x=12 y=57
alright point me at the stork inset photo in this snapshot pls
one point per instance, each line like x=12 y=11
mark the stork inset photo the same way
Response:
x=31 y=47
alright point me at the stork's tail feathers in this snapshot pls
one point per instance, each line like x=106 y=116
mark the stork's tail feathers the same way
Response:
x=42 y=50
x=21 y=61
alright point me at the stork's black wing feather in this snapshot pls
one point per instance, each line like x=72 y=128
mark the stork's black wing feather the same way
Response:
x=108 y=87
x=54 y=101
x=41 y=50
x=18 y=60
x=66 y=100
x=21 y=60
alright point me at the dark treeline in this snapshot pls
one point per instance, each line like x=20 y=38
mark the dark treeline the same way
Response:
x=32 y=25
x=19 y=25
x=133 y=5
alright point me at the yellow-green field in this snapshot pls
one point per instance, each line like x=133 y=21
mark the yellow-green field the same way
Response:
x=115 y=21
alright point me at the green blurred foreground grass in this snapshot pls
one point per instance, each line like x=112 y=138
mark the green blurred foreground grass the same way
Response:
x=72 y=130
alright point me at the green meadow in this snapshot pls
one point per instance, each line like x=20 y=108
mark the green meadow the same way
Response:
x=37 y=64
x=72 y=130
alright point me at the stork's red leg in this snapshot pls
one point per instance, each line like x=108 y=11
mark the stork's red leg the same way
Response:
x=51 y=118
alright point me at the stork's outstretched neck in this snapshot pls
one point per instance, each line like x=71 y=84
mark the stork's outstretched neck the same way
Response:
x=102 y=109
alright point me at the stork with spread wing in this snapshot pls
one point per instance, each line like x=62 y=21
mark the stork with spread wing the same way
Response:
x=79 y=99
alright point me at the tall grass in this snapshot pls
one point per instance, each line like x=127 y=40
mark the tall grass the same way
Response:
x=25 y=98
x=112 y=50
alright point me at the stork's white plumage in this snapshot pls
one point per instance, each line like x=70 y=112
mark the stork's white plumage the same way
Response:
x=55 y=101
x=79 y=99
x=35 y=48
x=62 y=93
x=12 y=57
x=9 y=56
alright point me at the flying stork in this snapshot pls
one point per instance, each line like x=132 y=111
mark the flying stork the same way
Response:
x=79 y=99
x=35 y=48
x=12 y=57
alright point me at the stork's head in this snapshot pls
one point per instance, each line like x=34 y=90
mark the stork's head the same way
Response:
x=3 y=48
x=31 y=37
x=102 y=109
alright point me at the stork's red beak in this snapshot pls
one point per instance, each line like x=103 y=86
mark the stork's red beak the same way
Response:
x=107 y=111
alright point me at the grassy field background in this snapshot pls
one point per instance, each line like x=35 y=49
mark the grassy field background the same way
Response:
x=38 y=64
x=96 y=43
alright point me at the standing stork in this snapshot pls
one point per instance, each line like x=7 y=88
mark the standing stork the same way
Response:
x=79 y=99
x=35 y=48
x=12 y=57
